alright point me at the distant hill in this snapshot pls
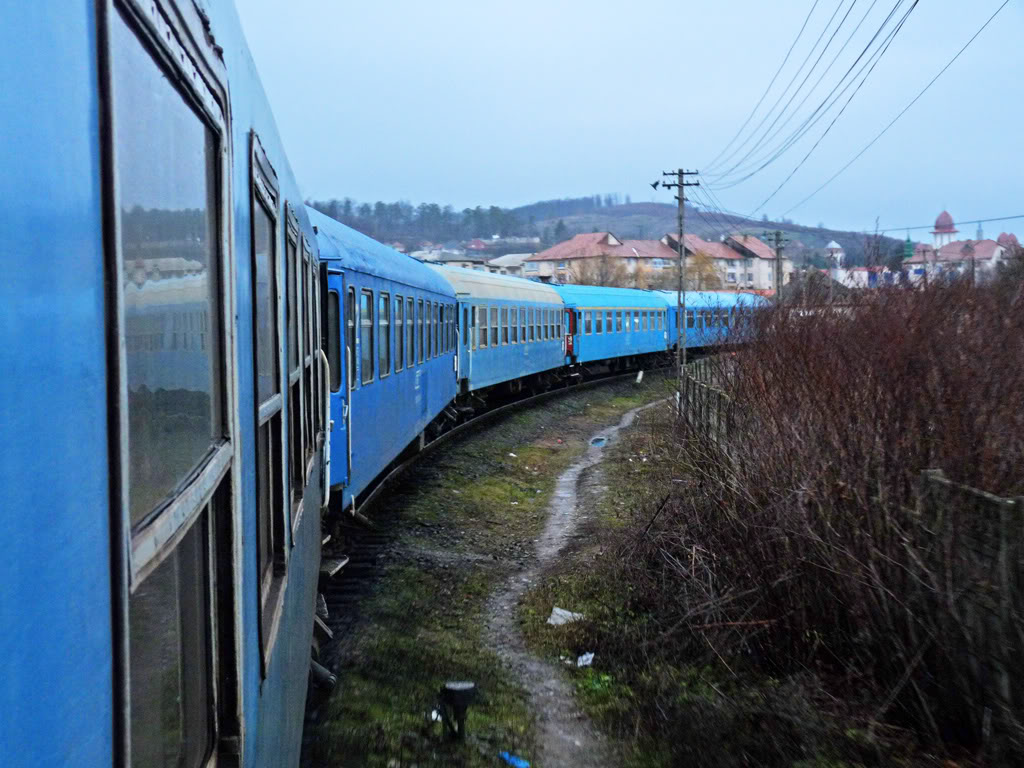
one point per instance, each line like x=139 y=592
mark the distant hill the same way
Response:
x=557 y=220
x=653 y=220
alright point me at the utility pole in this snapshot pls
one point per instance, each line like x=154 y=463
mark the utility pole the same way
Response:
x=680 y=184
x=779 y=245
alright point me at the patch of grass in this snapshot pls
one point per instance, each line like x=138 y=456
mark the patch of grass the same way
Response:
x=461 y=520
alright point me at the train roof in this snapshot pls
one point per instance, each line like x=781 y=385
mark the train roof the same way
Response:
x=356 y=251
x=486 y=285
x=715 y=298
x=603 y=296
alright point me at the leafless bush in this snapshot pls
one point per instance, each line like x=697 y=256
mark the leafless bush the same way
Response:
x=807 y=537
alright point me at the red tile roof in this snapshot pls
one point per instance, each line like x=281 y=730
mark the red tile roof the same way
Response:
x=591 y=244
x=983 y=250
x=713 y=249
x=758 y=247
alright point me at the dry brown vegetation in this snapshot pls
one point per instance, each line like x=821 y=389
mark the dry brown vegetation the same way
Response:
x=795 y=539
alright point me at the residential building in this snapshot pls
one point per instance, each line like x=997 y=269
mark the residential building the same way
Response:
x=509 y=264
x=573 y=260
x=947 y=257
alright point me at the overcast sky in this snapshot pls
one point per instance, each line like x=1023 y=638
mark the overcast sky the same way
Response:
x=480 y=103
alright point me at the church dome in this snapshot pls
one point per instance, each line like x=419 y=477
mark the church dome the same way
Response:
x=944 y=223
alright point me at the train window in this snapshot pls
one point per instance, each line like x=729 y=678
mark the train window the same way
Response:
x=504 y=325
x=419 y=331
x=628 y=322
x=689 y=318
x=522 y=324
x=172 y=354
x=437 y=329
x=306 y=289
x=350 y=336
x=399 y=333
x=598 y=321
x=366 y=336
x=291 y=253
x=588 y=322
x=428 y=332
x=609 y=322
x=636 y=321
x=618 y=322
x=515 y=325
x=644 y=320
x=333 y=339
x=384 y=334
x=410 y=332
x=464 y=329
x=172 y=367
x=494 y=326
x=725 y=318
x=661 y=321
x=483 y=326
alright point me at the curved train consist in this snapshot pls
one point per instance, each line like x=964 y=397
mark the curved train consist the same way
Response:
x=194 y=363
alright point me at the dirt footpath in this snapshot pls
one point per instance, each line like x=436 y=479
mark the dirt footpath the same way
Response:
x=565 y=736
x=465 y=535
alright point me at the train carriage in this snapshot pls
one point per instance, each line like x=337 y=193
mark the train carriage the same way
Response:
x=163 y=395
x=510 y=329
x=712 y=317
x=391 y=342
x=613 y=324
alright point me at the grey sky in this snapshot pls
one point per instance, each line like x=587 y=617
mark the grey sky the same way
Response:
x=478 y=103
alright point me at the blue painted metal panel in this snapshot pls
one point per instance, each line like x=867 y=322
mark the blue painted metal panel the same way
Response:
x=484 y=365
x=55 y=603
x=709 y=311
x=616 y=302
x=386 y=413
x=272 y=706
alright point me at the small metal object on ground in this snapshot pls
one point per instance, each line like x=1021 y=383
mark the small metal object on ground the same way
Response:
x=455 y=698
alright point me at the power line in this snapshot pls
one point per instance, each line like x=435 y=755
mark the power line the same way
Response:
x=789 y=140
x=784 y=90
x=828 y=102
x=799 y=165
x=956 y=223
x=902 y=112
x=766 y=90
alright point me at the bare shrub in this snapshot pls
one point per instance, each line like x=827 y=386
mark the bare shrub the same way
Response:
x=807 y=538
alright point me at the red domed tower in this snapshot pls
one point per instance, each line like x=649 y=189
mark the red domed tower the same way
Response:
x=944 y=230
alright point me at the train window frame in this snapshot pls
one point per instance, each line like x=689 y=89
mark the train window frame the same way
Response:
x=493 y=325
x=399 y=333
x=419 y=333
x=410 y=346
x=383 y=334
x=308 y=375
x=296 y=433
x=689 y=318
x=334 y=338
x=505 y=337
x=351 y=334
x=522 y=324
x=205 y=499
x=598 y=321
x=428 y=323
x=629 y=321
x=366 y=321
x=437 y=330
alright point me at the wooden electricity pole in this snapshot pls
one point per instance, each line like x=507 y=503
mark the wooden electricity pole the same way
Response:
x=681 y=184
x=778 y=246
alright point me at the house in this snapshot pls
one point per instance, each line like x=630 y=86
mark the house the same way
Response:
x=946 y=257
x=509 y=264
x=710 y=265
x=573 y=260
x=758 y=269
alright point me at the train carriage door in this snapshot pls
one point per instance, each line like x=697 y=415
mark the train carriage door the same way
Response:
x=571 y=333
x=340 y=312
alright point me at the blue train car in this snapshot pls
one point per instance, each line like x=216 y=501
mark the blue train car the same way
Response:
x=613 y=324
x=164 y=410
x=712 y=317
x=391 y=343
x=510 y=329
